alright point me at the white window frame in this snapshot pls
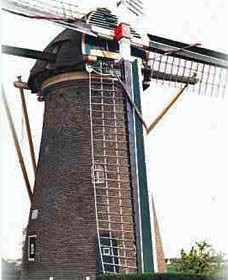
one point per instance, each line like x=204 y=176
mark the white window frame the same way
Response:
x=98 y=174
x=29 y=247
x=35 y=213
x=106 y=253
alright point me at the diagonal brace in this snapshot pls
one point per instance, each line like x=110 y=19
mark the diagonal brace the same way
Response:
x=17 y=146
x=27 y=124
x=160 y=116
x=138 y=113
x=165 y=110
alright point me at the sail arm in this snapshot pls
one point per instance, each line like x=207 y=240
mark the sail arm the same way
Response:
x=196 y=54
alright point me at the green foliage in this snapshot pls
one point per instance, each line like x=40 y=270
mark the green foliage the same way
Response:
x=170 y=268
x=154 y=276
x=202 y=259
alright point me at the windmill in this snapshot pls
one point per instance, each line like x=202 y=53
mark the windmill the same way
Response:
x=92 y=204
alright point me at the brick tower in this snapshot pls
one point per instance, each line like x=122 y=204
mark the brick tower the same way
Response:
x=85 y=214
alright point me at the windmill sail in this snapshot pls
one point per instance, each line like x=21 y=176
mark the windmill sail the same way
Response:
x=173 y=62
x=65 y=14
x=166 y=61
x=134 y=6
x=54 y=8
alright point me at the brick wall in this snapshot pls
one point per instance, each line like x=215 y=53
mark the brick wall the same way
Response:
x=63 y=192
x=66 y=227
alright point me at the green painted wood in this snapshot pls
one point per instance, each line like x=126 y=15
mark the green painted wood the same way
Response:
x=143 y=187
x=127 y=66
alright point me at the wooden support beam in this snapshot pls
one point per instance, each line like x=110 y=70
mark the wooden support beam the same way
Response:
x=174 y=78
x=17 y=146
x=165 y=110
x=160 y=116
x=22 y=85
x=27 y=124
x=138 y=113
x=160 y=256
x=28 y=53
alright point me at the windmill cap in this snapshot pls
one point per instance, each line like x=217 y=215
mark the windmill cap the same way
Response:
x=67 y=48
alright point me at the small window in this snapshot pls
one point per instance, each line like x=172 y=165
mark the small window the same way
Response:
x=98 y=175
x=106 y=252
x=35 y=214
x=31 y=247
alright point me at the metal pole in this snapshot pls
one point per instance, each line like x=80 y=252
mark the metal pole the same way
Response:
x=165 y=110
x=17 y=146
x=27 y=124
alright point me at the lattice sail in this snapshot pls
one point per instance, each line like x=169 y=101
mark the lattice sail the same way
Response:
x=165 y=61
x=175 y=63
x=203 y=78
x=64 y=13
x=54 y=8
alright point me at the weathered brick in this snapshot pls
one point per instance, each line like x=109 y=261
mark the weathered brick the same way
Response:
x=66 y=226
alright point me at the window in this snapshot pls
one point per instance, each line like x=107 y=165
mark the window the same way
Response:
x=35 y=214
x=31 y=247
x=98 y=174
x=109 y=251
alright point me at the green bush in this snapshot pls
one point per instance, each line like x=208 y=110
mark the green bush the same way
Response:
x=202 y=259
x=156 y=276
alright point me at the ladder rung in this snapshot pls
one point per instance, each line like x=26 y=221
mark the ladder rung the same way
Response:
x=109 y=164
x=113 y=205
x=112 y=189
x=117 y=230
x=121 y=248
x=109 y=196
x=116 y=172
x=114 y=214
x=112 y=112
x=112 y=141
x=111 y=126
x=118 y=181
x=118 y=239
x=108 y=93
x=109 y=156
x=113 y=80
x=112 y=222
x=105 y=83
x=113 y=133
x=107 y=104
x=120 y=265
x=109 y=97
x=109 y=119
x=105 y=89
x=121 y=257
